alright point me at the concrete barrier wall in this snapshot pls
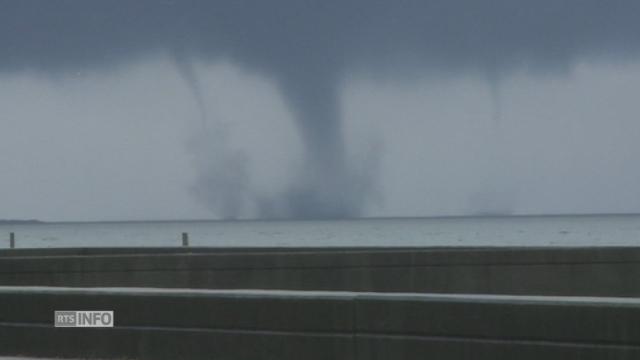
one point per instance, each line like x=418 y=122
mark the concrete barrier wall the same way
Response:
x=282 y=325
x=526 y=271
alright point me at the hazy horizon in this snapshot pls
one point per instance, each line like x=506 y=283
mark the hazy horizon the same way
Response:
x=10 y=221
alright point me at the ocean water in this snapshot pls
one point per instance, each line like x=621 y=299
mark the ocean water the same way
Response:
x=587 y=230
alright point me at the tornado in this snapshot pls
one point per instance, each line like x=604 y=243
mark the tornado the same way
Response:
x=309 y=49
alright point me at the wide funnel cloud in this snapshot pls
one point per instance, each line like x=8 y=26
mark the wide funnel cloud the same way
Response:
x=308 y=48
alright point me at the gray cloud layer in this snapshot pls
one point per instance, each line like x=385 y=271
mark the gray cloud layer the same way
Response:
x=308 y=47
x=298 y=38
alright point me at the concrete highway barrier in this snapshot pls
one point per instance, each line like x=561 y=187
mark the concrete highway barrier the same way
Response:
x=281 y=325
x=521 y=271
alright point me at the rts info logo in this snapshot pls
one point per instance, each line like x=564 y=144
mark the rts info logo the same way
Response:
x=83 y=318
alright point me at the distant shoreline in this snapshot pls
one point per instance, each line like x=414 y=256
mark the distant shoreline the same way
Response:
x=365 y=218
x=20 y=222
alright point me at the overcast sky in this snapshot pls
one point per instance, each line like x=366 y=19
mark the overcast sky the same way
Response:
x=313 y=109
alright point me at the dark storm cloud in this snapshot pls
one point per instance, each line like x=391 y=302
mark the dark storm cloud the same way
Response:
x=308 y=47
x=291 y=37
